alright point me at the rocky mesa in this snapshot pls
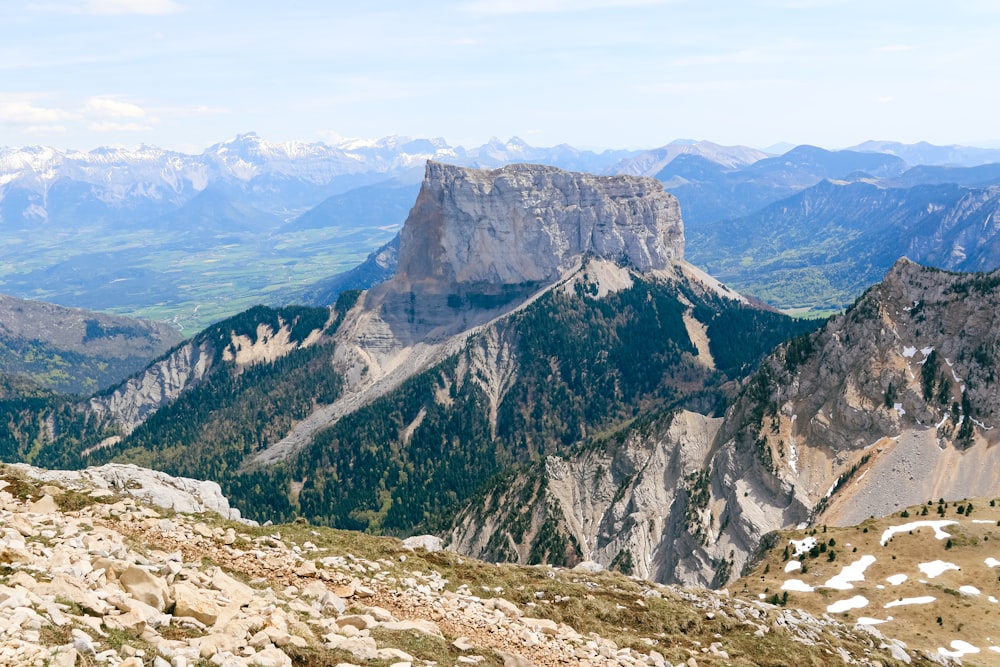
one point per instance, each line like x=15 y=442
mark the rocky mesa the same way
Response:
x=528 y=223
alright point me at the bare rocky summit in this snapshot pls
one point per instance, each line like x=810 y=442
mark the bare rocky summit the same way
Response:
x=529 y=223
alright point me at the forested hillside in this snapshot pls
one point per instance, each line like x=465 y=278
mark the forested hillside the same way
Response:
x=572 y=365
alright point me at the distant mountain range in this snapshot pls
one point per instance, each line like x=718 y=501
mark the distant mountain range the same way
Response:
x=808 y=229
x=195 y=238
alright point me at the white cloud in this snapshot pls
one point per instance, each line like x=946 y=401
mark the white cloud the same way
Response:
x=110 y=7
x=894 y=48
x=109 y=107
x=20 y=110
x=108 y=114
x=553 y=6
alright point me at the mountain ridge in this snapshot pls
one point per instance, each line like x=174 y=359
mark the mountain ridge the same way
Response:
x=897 y=392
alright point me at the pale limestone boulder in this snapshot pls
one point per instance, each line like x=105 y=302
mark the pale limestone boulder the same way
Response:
x=145 y=587
x=393 y=654
x=430 y=543
x=360 y=621
x=133 y=621
x=63 y=587
x=238 y=593
x=190 y=601
x=214 y=643
x=463 y=644
x=44 y=505
x=419 y=625
x=270 y=657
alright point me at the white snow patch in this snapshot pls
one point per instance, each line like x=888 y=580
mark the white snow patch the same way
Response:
x=793 y=565
x=960 y=648
x=896 y=579
x=982 y=521
x=992 y=562
x=898 y=407
x=853 y=572
x=992 y=599
x=908 y=352
x=797 y=585
x=924 y=599
x=803 y=546
x=926 y=351
x=936 y=568
x=946 y=417
x=856 y=602
x=867 y=620
x=937 y=525
x=981 y=424
x=968 y=590
x=761 y=596
x=995 y=649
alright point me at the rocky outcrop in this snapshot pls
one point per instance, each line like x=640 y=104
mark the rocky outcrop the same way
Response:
x=180 y=494
x=530 y=223
x=479 y=244
x=260 y=335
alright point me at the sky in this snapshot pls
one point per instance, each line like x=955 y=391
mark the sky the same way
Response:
x=185 y=74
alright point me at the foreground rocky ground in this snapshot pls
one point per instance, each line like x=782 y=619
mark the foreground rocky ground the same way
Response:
x=93 y=576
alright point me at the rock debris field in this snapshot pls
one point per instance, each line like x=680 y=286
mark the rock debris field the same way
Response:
x=92 y=576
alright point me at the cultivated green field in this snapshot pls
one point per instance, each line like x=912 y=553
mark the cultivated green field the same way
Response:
x=186 y=279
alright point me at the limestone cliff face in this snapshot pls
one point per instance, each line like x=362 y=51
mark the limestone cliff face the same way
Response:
x=529 y=223
x=163 y=381
x=891 y=404
x=140 y=396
